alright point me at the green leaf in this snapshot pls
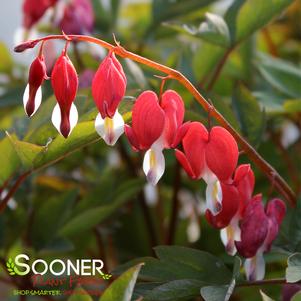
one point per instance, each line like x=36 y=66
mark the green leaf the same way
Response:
x=280 y=74
x=27 y=152
x=205 y=60
x=244 y=17
x=122 y=288
x=177 y=290
x=216 y=293
x=265 y=297
x=293 y=271
x=91 y=217
x=79 y=294
x=194 y=264
x=224 y=292
x=9 y=159
x=214 y=30
x=169 y=9
x=251 y=119
x=52 y=214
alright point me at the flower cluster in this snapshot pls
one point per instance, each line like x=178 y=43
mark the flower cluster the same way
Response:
x=247 y=227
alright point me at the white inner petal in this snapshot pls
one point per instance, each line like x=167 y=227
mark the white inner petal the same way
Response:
x=110 y=129
x=26 y=96
x=229 y=235
x=37 y=101
x=154 y=163
x=214 y=193
x=73 y=117
x=56 y=117
x=255 y=267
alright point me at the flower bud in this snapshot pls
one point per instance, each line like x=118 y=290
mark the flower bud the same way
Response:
x=33 y=93
x=108 y=86
x=64 y=82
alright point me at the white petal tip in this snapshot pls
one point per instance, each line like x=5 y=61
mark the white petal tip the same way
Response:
x=56 y=119
x=31 y=110
x=110 y=129
x=154 y=165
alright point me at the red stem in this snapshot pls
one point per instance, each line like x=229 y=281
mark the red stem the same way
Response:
x=14 y=188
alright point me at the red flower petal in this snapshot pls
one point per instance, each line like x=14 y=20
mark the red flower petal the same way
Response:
x=64 y=82
x=131 y=137
x=230 y=204
x=173 y=106
x=244 y=180
x=147 y=119
x=275 y=211
x=33 y=12
x=185 y=164
x=194 y=144
x=254 y=228
x=221 y=153
x=118 y=66
x=108 y=86
x=181 y=132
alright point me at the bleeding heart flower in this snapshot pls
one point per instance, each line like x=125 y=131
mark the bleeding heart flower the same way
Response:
x=78 y=17
x=156 y=126
x=259 y=228
x=209 y=155
x=32 y=97
x=108 y=89
x=242 y=186
x=64 y=82
x=33 y=11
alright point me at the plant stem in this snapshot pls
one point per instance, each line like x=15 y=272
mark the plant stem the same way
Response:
x=218 y=69
x=262 y=282
x=280 y=184
x=3 y=202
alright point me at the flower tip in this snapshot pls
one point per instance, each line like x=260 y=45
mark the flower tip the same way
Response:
x=26 y=45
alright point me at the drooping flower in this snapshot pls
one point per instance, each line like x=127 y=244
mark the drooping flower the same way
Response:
x=33 y=11
x=233 y=205
x=64 y=81
x=32 y=97
x=259 y=228
x=156 y=126
x=108 y=89
x=209 y=155
x=78 y=17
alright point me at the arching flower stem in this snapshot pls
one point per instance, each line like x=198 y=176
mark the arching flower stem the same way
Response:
x=280 y=184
